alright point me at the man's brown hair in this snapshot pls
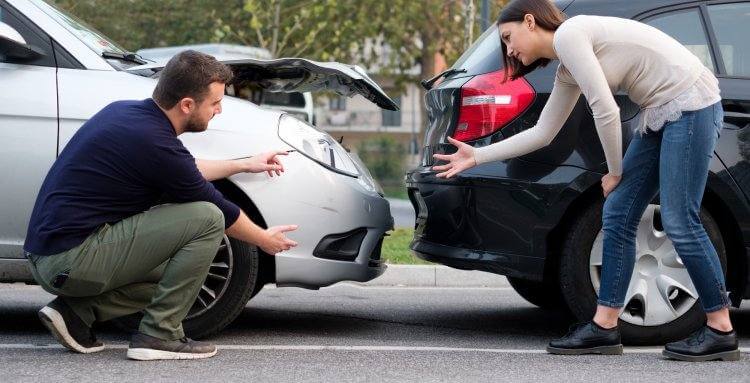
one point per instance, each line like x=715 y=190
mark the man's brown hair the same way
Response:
x=188 y=74
x=546 y=15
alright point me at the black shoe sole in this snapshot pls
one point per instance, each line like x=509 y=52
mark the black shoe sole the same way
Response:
x=728 y=356
x=54 y=322
x=600 y=350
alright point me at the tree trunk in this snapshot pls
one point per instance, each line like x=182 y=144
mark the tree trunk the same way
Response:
x=276 y=26
x=427 y=70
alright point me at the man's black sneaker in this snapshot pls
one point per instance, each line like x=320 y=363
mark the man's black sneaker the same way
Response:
x=703 y=345
x=145 y=347
x=587 y=338
x=68 y=328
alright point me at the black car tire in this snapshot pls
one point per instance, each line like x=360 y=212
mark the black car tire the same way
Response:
x=581 y=298
x=543 y=294
x=243 y=285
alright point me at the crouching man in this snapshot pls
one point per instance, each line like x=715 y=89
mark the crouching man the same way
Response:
x=98 y=237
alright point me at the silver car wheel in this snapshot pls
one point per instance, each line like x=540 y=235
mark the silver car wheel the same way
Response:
x=217 y=280
x=660 y=289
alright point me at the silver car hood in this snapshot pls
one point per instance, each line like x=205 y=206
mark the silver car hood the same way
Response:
x=298 y=75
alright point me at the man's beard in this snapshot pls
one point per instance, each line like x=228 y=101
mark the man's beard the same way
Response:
x=196 y=125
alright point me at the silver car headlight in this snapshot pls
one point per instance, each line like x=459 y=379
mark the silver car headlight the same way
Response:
x=316 y=145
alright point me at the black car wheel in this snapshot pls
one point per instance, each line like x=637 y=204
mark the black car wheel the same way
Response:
x=662 y=303
x=544 y=294
x=231 y=281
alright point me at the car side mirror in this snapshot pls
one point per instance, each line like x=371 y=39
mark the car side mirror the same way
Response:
x=15 y=51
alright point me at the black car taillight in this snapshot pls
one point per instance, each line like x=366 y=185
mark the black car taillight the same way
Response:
x=488 y=104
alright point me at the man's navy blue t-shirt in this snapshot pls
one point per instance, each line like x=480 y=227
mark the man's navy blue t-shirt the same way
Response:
x=123 y=161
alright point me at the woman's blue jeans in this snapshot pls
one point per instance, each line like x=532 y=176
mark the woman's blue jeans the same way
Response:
x=672 y=162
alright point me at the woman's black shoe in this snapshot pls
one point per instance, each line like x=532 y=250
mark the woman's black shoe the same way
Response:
x=587 y=338
x=704 y=345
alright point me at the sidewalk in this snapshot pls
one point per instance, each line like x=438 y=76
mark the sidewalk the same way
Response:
x=436 y=276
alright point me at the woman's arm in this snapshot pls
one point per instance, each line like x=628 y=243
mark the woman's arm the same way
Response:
x=576 y=53
x=559 y=105
x=554 y=114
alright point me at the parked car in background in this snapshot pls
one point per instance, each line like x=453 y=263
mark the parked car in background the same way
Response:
x=296 y=104
x=55 y=73
x=537 y=218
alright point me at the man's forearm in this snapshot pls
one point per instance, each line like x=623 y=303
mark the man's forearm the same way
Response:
x=218 y=169
x=245 y=230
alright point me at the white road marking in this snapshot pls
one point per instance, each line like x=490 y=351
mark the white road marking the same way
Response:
x=404 y=287
x=271 y=347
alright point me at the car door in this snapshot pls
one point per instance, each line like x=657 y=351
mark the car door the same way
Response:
x=28 y=130
x=730 y=29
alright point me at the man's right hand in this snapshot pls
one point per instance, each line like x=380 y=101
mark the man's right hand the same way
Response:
x=275 y=241
x=271 y=240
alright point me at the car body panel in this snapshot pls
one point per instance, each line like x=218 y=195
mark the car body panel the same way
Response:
x=30 y=123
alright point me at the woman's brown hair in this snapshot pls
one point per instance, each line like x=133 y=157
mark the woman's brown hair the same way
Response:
x=546 y=15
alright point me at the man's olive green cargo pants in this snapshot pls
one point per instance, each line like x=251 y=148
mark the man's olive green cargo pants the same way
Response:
x=155 y=261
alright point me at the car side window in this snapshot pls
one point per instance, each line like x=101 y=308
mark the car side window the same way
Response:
x=686 y=27
x=31 y=34
x=730 y=24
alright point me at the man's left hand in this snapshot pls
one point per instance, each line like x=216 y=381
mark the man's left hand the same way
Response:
x=265 y=162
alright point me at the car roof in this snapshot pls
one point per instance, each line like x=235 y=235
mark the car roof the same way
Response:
x=620 y=8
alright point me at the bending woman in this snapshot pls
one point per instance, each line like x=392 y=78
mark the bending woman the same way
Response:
x=680 y=124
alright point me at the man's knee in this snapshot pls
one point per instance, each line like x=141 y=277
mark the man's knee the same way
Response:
x=210 y=212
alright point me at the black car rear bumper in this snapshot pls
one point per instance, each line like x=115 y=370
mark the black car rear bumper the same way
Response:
x=512 y=265
x=493 y=223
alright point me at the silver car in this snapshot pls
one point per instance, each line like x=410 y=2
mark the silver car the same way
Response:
x=55 y=73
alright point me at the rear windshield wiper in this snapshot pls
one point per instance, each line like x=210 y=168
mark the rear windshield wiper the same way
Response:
x=125 y=56
x=427 y=84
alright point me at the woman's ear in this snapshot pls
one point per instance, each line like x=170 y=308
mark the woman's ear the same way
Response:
x=529 y=22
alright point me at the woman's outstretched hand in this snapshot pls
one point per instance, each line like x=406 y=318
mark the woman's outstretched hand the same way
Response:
x=457 y=162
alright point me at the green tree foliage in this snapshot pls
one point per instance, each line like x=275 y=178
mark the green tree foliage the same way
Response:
x=385 y=157
x=341 y=30
x=136 y=24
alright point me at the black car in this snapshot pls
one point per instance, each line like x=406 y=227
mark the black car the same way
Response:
x=537 y=218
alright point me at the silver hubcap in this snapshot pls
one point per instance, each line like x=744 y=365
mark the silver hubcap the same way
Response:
x=660 y=289
x=217 y=280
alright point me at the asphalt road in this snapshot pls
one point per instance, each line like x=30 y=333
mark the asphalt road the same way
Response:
x=352 y=333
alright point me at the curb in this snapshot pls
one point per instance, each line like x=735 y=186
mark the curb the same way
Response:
x=436 y=276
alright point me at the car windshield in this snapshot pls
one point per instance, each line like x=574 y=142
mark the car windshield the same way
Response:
x=88 y=35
